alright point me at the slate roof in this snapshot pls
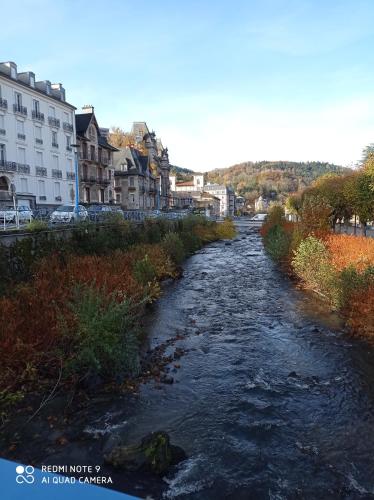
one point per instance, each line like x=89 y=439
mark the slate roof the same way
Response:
x=82 y=122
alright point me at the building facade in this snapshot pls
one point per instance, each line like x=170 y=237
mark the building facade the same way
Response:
x=227 y=198
x=135 y=185
x=37 y=128
x=96 y=171
x=196 y=184
x=261 y=204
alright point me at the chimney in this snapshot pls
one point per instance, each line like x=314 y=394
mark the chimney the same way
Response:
x=88 y=108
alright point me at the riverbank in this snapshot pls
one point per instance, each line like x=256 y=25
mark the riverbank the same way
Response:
x=338 y=268
x=71 y=310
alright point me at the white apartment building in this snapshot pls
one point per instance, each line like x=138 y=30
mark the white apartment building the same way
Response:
x=226 y=196
x=37 y=130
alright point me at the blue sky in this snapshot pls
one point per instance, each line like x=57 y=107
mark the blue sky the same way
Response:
x=219 y=81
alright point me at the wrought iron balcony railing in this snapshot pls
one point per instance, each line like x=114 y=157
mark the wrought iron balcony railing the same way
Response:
x=36 y=115
x=68 y=127
x=22 y=110
x=56 y=174
x=41 y=171
x=54 y=122
x=22 y=137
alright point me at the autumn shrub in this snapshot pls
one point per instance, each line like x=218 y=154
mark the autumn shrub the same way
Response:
x=347 y=250
x=359 y=311
x=225 y=229
x=277 y=242
x=144 y=270
x=37 y=226
x=312 y=265
x=275 y=215
x=191 y=242
x=105 y=340
x=173 y=246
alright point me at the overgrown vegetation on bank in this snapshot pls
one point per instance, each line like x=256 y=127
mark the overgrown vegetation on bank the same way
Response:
x=339 y=268
x=70 y=309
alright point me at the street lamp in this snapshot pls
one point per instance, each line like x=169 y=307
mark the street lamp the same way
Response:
x=76 y=168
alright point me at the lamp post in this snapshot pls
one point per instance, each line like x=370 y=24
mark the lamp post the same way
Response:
x=76 y=170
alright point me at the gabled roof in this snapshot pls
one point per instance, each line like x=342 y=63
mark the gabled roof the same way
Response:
x=105 y=144
x=82 y=122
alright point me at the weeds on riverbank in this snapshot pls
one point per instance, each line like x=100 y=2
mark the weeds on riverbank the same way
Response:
x=70 y=310
x=340 y=268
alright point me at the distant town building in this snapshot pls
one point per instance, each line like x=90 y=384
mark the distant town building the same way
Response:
x=135 y=185
x=196 y=184
x=96 y=173
x=226 y=195
x=239 y=204
x=37 y=129
x=261 y=204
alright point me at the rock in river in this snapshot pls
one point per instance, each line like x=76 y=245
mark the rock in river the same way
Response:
x=154 y=454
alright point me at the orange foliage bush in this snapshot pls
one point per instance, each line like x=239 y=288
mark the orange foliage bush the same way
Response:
x=347 y=250
x=360 y=312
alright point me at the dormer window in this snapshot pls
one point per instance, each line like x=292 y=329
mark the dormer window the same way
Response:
x=124 y=167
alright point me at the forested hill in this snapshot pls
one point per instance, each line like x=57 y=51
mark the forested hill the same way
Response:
x=273 y=179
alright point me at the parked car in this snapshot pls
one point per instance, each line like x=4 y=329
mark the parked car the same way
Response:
x=42 y=213
x=259 y=217
x=98 y=213
x=66 y=214
x=9 y=214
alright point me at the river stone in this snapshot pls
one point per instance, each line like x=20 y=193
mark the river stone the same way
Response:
x=154 y=454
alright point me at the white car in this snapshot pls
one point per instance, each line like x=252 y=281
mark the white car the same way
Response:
x=66 y=214
x=259 y=217
x=9 y=214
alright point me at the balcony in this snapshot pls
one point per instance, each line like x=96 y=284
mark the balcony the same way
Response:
x=58 y=198
x=54 y=144
x=132 y=189
x=56 y=174
x=21 y=137
x=42 y=198
x=54 y=122
x=70 y=176
x=21 y=110
x=36 y=115
x=38 y=141
x=88 y=179
x=22 y=168
x=103 y=180
x=104 y=160
x=2 y=131
x=3 y=103
x=67 y=127
x=41 y=171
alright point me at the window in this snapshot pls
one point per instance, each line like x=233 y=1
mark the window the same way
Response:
x=71 y=192
x=131 y=181
x=36 y=106
x=92 y=133
x=2 y=122
x=110 y=174
x=92 y=149
x=18 y=98
x=54 y=138
x=39 y=159
x=124 y=167
x=20 y=127
x=101 y=195
x=52 y=112
x=87 y=195
x=70 y=165
x=41 y=188
x=21 y=152
x=0 y=92
x=57 y=189
x=66 y=118
x=38 y=133
x=55 y=161
x=68 y=142
x=2 y=153
x=24 y=187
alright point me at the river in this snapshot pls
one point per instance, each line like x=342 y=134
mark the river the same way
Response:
x=271 y=400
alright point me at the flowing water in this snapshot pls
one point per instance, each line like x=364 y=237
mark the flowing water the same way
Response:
x=272 y=400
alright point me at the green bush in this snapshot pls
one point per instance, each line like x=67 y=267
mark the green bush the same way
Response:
x=191 y=242
x=105 y=341
x=312 y=265
x=352 y=280
x=144 y=271
x=275 y=215
x=277 y=242
x=173 y=246
x=37 y=225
